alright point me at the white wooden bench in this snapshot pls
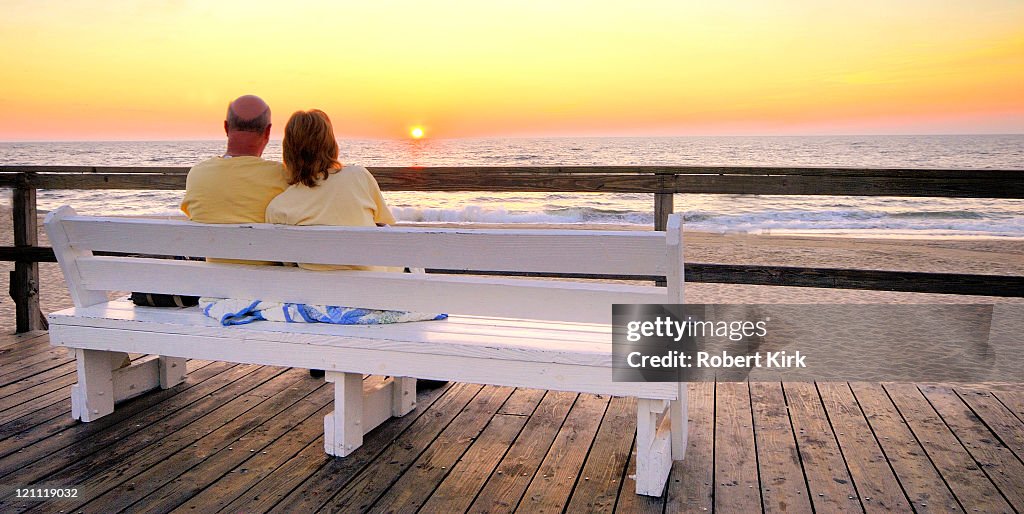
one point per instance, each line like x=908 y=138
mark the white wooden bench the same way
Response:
x=547 y=334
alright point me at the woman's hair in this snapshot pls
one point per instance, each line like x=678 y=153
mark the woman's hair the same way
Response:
x=309 y=148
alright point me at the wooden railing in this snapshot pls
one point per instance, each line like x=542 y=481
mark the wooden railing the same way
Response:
x=661 y=181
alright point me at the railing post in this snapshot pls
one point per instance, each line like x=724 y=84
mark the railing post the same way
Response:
x=25 y=277
x=663 y=207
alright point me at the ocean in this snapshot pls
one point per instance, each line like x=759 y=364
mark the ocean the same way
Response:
x=755 y=214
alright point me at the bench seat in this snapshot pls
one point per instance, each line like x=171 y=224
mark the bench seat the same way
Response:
x=554 y=355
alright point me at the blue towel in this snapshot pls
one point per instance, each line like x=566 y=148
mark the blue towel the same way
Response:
x=229 y=311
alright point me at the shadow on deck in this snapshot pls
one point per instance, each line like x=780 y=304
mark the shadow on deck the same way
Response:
x=238 y=438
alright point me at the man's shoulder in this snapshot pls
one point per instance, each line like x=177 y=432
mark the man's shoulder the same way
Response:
x=212 y=162
x=247 y=163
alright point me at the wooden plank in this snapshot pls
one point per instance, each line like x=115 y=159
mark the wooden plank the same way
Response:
x=1013 y=400
x=75 y=450
x=213 y=430
x=467 y=333
x=36 y=379
x=518 y=331
x=959 y=470
x=523 y=402
x=629 y=501
x=27 y=253
x=691 y=483
x=569 y=251
x=166 y=480
x=737 y=488
x=282 y=480
x=875 y=280
x=14 y=432
x=996 y=460
x=9 y=341
x=411 y=490
x=37 y=362
x=834 y=278
x=519 y=465
x=364 y=475
x=534 y=299
x=997 y=418
x=720 y=180
x=469 y=475
x=601 y=479
x=451 y=172
x=559 y=472
x=27 y=389
x=54 y=419
x=182 y=170
x=915 y=473
x=868 y=466
x=148 y=181
x=778 y=460
x=12 y=356
x=847 y=186
x=251 y=472
x=24 y=283
x=39 y=402
x=828 y=480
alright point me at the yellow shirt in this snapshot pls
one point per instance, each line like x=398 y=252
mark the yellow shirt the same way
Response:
x=349 y=197
x=232 y=190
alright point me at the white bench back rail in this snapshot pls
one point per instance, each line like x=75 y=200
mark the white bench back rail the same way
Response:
x=554 y=251
x=519 y=250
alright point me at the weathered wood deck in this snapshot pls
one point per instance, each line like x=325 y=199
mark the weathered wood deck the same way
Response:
x=237 y=438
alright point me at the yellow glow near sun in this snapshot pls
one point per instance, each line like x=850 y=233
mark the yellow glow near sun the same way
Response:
x=416 y=132
x=113 y=69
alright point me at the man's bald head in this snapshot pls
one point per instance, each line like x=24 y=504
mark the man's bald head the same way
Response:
x=247 y=113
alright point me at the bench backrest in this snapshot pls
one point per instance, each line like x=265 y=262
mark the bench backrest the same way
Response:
x=75 y=238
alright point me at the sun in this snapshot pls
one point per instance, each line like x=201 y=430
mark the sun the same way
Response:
x=416 y=132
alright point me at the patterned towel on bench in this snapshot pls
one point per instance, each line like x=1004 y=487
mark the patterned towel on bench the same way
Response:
x=230 y=311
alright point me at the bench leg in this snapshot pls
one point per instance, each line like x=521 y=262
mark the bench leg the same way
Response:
x=362 y=405
x=93 y=396
x=108 y=377
x=654 y=442
x=172 y=371
x=343 y=430
x=680 y=424
x=403 y=399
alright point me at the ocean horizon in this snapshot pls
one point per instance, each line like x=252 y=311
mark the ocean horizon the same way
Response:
x=748 y=214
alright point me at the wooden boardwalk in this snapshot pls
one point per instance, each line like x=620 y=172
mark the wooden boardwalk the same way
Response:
x=236 y=438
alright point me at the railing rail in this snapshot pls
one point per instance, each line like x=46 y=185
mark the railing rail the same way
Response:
x=661 y=181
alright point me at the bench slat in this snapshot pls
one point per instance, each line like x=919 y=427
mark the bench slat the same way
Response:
x=502 y=334
x=513 y=298
x=459 y=325
x=369 y=358
x=550 y=251
x=390 y=337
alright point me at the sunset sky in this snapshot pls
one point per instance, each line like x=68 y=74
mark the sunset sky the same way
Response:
x=92 y=70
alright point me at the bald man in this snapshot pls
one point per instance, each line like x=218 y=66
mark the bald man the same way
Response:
x=237 y=186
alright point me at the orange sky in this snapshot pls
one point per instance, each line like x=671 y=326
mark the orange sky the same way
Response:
x=166 y=69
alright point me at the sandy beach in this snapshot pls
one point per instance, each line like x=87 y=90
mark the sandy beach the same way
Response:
x=997 y=257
